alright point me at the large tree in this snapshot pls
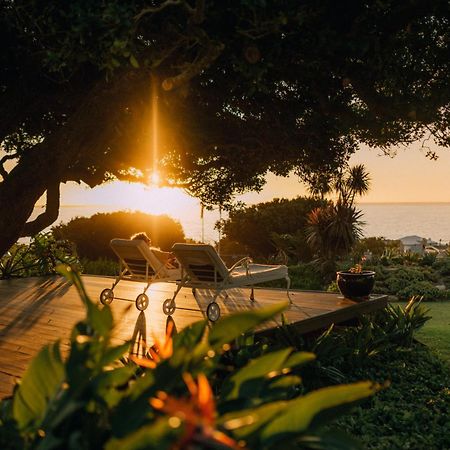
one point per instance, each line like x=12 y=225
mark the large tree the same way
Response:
x=241 y=88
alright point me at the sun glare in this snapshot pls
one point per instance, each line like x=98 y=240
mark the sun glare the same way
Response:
x=155 y=178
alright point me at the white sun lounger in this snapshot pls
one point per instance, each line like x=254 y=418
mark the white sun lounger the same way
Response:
x=202 y=267
x=138 y=263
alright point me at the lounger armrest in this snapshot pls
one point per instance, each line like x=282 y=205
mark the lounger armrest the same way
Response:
x=241 y=262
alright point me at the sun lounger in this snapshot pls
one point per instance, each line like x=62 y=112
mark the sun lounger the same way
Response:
x=202 y=267
x=138 y=263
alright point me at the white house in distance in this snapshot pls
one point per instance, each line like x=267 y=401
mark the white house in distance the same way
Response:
x=419 y=245
x=413 y=244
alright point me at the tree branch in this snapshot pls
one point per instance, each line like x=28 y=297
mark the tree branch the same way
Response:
x=46 y=218
x=211 y=54
x=5 y=158
x=162 y=6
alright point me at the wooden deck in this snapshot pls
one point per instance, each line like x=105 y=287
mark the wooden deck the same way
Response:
x=36 y=311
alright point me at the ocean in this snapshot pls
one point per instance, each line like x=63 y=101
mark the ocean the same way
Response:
x=388 y=220
x=396 y=220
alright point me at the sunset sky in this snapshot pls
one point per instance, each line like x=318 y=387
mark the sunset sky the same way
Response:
x=408 y=177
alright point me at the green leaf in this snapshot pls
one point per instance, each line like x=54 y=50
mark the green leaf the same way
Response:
x=134 y=62
x=247 y=421
x=299 y=358
x=229 y=328
x=101 y=320
x=158 y=436
x=40 y=384
x=285 y=382
x=190 y=336
x=249 y=380
x=299 y=413
x=114 y=353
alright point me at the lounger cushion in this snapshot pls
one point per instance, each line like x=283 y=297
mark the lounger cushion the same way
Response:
x=205 y=266
x=257 y=273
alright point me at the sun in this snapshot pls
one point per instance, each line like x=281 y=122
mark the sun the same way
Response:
x=150 y=199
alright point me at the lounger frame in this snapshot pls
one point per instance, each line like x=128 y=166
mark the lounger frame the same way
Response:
x=137 y=263
x=210 y=272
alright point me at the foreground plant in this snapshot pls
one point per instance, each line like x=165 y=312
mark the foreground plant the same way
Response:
x=97 y=398
x=38 y=258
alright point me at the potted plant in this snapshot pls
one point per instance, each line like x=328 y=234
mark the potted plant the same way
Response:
x=356 y=283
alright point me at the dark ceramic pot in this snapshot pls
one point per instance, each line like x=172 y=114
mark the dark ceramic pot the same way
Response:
x=356 y=286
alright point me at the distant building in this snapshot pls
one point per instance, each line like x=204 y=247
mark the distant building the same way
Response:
x=413 y=244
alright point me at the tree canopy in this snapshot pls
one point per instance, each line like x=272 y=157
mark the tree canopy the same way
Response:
x=263 y=229
x=242 y=88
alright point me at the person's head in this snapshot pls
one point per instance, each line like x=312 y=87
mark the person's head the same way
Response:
x=142 y=236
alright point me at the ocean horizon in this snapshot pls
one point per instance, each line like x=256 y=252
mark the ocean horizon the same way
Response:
x=394 y=220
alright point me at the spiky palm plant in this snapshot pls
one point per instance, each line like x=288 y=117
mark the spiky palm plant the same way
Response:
x=333 y=230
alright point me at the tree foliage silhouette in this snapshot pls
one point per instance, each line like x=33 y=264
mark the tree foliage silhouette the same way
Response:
x=242 y=88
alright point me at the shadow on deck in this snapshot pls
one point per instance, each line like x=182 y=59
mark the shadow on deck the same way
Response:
x=37 y=311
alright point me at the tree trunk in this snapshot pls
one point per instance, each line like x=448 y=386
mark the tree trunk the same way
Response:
x=101 y=115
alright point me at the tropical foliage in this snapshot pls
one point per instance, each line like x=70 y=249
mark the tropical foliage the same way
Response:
x=39 y=257
x=91 y=235
x=335 y=228
x=264 y=229
x=178 y=395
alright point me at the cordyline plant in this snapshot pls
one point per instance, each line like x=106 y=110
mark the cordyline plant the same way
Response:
x=174 y=396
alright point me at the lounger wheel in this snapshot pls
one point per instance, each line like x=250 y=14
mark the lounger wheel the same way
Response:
x=141 y=302
x=169 y=307
x=213 y=311
x=106 y=296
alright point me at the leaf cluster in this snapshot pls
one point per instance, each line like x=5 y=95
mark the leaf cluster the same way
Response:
x=39 y=257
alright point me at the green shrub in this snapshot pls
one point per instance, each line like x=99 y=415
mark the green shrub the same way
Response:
x=420 y=288
x=92 y=235
x=102 y=266
x=442 y=266
x=413 y=412
x=303 y=276
x=38 y=258
x=427 y=260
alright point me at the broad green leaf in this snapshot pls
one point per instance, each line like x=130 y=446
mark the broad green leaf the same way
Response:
x=40 y=384
x=285 y=382
x=254 y=374
x=190 y=336
x=299 y=358
x=114 y=353
x=230 y=327
x=244 y=422
x=332 y=439
x=100 y=320
x=158 y=436
x=134 y=62
x=299 y=413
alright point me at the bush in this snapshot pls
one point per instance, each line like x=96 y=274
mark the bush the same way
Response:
x=303 y=276
x=442 y=266
x=265 y=228
x=38 y=258
x=413 y=412
x=92 y=235
x=421 y=288
x=102 y=266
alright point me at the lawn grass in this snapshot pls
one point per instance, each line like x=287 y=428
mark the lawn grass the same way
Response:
x=436 y=332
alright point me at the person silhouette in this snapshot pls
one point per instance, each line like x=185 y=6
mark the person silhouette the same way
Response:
x=167 y=258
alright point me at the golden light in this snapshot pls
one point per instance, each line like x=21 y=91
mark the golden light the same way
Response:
x=155 y=178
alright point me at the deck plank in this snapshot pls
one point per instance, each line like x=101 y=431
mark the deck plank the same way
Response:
x=37 y=311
